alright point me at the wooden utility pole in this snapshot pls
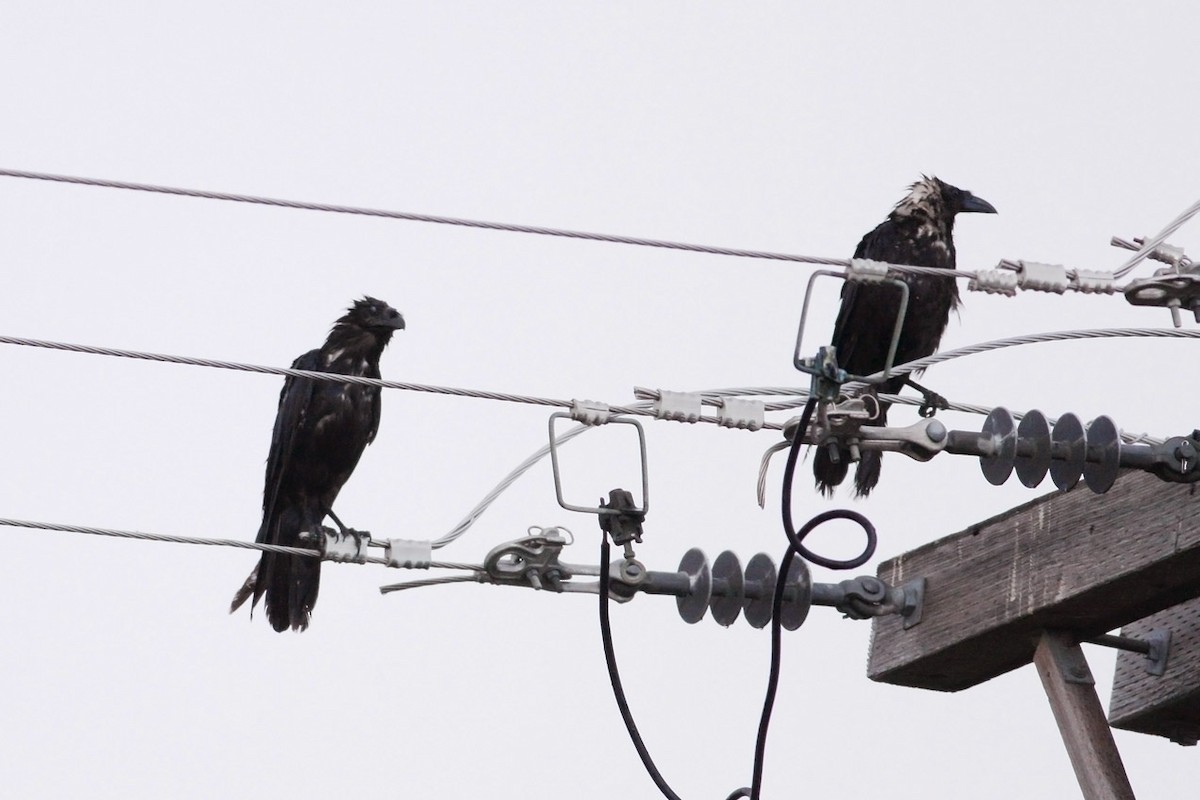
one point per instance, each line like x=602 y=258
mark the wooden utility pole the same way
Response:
x=1072 y=691
x=1030 y=584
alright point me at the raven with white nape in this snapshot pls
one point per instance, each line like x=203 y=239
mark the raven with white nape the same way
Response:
x=321 y=430
x=918 y=232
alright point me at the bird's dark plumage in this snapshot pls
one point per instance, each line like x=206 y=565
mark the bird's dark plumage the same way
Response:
x=321 y=430
x=918 y=232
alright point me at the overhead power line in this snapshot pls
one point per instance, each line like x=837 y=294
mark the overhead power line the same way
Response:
x=985 y=280
x=162 y=537
x=431 y=218
x=635 y=410
x=1032 y=338
x=198 y=540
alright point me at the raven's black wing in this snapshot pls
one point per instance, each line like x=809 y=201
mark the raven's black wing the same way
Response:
x=866 y=319
x=294 y=401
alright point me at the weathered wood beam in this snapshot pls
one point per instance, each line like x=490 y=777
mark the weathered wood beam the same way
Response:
x=1168 y=704
x=1071 y=561
x=1072 y=692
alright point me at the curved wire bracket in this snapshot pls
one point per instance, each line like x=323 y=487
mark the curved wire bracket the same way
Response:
x=860 y=271
x=599 y=509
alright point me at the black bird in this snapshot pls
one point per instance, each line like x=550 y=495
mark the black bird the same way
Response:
x=321 y=430
x=918 y=232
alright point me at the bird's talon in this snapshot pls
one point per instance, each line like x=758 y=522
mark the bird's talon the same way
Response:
x=933 y=403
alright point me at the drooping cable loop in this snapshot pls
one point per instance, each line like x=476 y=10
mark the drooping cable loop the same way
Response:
x=796 y=538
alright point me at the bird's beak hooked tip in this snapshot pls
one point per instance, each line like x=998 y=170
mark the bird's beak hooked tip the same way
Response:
x=977 y=205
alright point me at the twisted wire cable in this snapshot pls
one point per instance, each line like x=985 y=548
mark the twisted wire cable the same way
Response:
x=800 y=396
x=481 y=224
x=636 y=410
x=1031 y=338
x=411 y=217
x=475 y=513
x=1150 y=244
x=162 y=537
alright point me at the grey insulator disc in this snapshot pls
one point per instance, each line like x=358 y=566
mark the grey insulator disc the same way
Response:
x=693 y=605
x=760 y=580
x=1033 y=437
x=1069 y=447
x=1104 y=455
x=797 y=595
x=999 y=427
x=727 y=578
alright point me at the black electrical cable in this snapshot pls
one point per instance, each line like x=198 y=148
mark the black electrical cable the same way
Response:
x=796 y=547
x=789 y=527
x=614 y=677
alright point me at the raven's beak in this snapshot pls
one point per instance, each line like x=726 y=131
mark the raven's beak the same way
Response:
x=390 y=319
x=976 y=204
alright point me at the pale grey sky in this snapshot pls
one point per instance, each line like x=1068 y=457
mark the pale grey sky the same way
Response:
x=778 y=126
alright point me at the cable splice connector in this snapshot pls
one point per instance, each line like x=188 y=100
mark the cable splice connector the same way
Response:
x=678 y=406
x=409 y=553
x=589 y=412
x=994 y=281
x=741 y=413
x=1044 y=277
x=1091 y=281
x=864 y=269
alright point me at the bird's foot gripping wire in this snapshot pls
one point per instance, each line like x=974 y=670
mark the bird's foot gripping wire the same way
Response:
x=931 y=401
x=345 y=545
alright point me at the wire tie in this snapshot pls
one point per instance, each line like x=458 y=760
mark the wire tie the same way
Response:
x=864 y=269
x=590 y=412
x=678 y=406
x=994 y=281
x=1095 y=282
x=1044 y=277
x=737 y=412
x=409 y=553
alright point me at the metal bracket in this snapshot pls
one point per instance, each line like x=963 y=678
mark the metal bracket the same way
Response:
x=1069 y=660
x=622 y=520
x=601 y=509
x=531 y=561
x=1156 y=647
x=820 y=366
x=867 y=596
x=1175 y=287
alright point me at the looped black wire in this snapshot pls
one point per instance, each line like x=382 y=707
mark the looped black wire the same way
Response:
x=796 y=538
x=796 y=547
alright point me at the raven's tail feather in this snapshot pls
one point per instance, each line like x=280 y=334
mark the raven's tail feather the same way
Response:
x=243 y=594
x=289 y=582
x=828 y=473
x=866 y=475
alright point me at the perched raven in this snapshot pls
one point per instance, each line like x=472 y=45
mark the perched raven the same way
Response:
x=918 y=232
x=321 y=430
